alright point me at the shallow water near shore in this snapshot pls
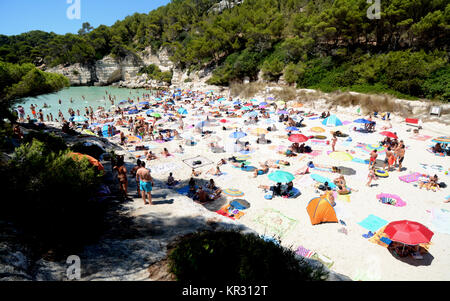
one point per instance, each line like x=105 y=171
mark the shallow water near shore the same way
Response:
x=94 y=97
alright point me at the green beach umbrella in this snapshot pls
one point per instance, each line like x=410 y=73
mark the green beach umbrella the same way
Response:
x=280 y=176
x=154 y=114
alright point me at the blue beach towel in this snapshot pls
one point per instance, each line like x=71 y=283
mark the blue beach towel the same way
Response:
x=362 y=161
x=184 y=190
x=372 y=223
x=321 y=179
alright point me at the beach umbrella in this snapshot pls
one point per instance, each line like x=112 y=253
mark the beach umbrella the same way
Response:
x=253 y=100
x=270 y=98
x=92 y=160
x=291 y=128
x=80 y=119
x=341 y=156
x=233 y=192
x=122 y=102
x=317 y=129
x=251 y=114
x=133 y=111
x=298 y=138
x=443 y=139
x=237 y=135
x=223 y=121
x=361 y=120
x=408 y=232
x=155 y=114
x=144 y=103
x=259 y=131
x=246 y=108
x=389 y=134
x=282 y=112
x=280 y=176
x=280 y=102
x=263 y=103
x=158 y=99
x=182 y=111
x=332 y=121
x=133 y=139
x=149 y=112
x=237 y=102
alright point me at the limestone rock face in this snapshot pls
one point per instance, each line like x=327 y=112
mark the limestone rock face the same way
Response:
x=77 y=74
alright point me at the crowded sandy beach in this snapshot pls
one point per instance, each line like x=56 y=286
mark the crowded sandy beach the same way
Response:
x=365 y=194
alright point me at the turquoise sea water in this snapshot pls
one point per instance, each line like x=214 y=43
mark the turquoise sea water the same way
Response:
x=94 y=97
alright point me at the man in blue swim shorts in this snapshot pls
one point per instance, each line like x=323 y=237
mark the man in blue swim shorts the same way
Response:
x=146 y=183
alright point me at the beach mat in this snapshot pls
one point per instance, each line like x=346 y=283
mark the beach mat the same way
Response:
x=414 y=177
x=362 y=161
x=322 y=179
x=204 y=162
x=325 y=260
x=302 y=251
x=230 y=212
x=276 y=222
x=184 y=190
x=420 y=137
x=372 y=223
x=440 y=221
x=164 y=168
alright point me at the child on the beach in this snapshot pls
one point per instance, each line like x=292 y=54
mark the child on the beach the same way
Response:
x=371 y=176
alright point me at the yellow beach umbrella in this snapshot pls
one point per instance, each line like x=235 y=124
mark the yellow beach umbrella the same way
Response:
x=295 y=104
x=341 y=156
x=280 y=102
x=317 y=129
x=259 y=131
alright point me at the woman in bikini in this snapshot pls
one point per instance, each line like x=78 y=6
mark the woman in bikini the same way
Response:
x=122 y=176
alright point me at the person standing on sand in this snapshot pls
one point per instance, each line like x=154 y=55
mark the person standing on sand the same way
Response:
x=133 y=173
x=388 y=159
x=400 y=156
x=371 y=176
x=373 y=158
x=122 y=176
x=333 y=142
x=146 y=183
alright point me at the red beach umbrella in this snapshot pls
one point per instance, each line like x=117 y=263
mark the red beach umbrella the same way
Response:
x=408 y=232
x=223 y=120
x=298 y=138
x=389 y=134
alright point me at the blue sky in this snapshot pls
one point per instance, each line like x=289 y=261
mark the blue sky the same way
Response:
x=19 y=16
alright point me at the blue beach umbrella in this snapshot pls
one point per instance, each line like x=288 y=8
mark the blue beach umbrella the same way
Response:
x=246 y=108
x=251 y=114
x=332 y=121
x=237 y=102
x=237 y=135
x=292 y=128
x=182 y=111
x=158 y=99
x=263 y=103
x=361 y=120
x=133 y=111
x=280 y=176
x=144 y=103
x=149 y=112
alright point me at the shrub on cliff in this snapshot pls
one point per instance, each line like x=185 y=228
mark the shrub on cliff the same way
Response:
x=233 y=256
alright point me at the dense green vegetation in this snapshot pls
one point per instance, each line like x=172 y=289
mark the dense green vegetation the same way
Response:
x=232 y=256
x=49 y=196
x=277 y=37
x=154 y=72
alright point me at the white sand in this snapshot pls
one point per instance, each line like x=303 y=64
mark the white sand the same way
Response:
x=352 y=254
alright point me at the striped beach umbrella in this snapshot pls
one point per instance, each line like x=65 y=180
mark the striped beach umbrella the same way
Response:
x=233 y=192
x=443 y=139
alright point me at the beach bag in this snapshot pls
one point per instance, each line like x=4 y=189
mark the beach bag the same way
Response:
x=269 y=195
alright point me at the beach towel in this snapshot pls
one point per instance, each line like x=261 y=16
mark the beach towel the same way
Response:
x=164 y=168
x=321 y=179
x=414 y=177
x=230 y=212
x=372 y=223
x=204 y=162
x=184 y=190
x=275 y=222
x=315 y=153
x=326 y=261
x=302 y=251
x=420 y=137
x=440 y=221
x=318 y=142
x=362 y=161
x=343 y=198
x=240 y=204
x=380 y=237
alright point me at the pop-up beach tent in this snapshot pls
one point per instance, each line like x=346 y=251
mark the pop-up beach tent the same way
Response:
x=320 y=210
